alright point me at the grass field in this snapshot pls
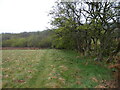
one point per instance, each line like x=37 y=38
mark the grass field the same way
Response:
x=50 y=68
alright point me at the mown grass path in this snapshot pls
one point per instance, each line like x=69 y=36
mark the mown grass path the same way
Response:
x=51 y=68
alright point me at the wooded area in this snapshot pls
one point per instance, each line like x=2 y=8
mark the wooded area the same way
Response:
x=91 y=28
x=28 y=39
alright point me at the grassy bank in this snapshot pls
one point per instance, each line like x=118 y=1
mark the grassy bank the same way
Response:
x=50 y=68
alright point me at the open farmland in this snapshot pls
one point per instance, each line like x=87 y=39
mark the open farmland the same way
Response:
x=51 y=68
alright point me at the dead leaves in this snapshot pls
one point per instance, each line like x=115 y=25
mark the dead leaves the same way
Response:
x=100 y=86
x=30 y=71
x=28 y=77
x=107 y=84
x=55 y=75
x=61 y=80
x=94 y=79
x=52 y=66
x=20 y=81
x=78 y=82
x=117 y=66
x=52 y=85
x=64 y=68
x=6 y=76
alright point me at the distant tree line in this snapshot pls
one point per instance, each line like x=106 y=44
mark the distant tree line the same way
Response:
x=39 y=39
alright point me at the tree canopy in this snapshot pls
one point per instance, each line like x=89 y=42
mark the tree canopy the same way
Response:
x=91 y=28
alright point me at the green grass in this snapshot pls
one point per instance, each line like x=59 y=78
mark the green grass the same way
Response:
x=50 y=68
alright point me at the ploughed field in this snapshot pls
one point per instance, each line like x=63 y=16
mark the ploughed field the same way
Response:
x=51 y=68
x=19 y=48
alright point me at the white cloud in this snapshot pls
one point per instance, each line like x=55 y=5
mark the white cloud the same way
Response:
x=24 y=15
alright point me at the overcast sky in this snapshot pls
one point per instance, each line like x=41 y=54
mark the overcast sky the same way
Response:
x=24 y=15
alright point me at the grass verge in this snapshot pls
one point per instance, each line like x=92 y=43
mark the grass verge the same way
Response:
x=51 y=68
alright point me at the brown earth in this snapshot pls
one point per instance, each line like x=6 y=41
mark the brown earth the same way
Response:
x=19 y=48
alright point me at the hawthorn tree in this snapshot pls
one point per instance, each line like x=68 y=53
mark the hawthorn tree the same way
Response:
x=88 y=27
